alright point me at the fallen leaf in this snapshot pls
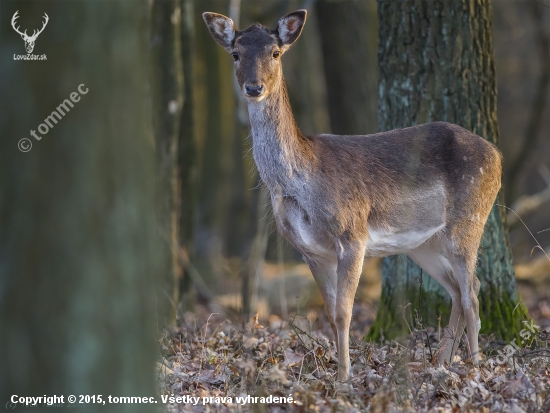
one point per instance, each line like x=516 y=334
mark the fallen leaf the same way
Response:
x=250 y=342
x=291 y=358
x=278 y=375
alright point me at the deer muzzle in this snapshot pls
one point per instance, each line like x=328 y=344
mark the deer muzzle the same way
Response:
x=253 y=89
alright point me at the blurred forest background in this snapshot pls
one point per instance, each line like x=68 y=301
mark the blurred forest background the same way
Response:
x=164 y=132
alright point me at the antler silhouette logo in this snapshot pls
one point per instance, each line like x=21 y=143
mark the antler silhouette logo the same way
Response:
x=29 y=40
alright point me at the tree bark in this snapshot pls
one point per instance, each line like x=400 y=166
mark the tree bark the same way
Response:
x=77 y=251
x=436 y=63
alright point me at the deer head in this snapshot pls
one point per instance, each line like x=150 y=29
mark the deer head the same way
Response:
x=257 y=50
x=29 y=40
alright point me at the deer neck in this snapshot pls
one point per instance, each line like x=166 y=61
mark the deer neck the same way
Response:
x=280 y=149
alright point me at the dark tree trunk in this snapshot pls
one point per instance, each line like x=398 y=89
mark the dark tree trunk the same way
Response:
x=242 y=180
x=217 y=134
x=168 y=92
x=187 y=151
x=77 y=251
x=436 y=63
x=348 y=43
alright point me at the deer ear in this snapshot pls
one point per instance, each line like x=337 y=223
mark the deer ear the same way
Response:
x=290 y=27
x=221 y=28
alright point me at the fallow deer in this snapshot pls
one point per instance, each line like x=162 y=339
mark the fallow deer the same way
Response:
x=425 y=191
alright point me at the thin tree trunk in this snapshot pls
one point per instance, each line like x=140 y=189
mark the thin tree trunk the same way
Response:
x=218 y=138
x=187 y=151
x=77 y=250
x=168 y=88
x=238 y=218
x=436 y=63
x=253 y=272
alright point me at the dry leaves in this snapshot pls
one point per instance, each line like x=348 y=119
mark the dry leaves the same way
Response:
x=221 y=360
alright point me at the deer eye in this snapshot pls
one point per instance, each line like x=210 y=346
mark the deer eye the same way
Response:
x=276 y=54
x=235 y=56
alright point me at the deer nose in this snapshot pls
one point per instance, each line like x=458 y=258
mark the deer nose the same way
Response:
x=254 y=90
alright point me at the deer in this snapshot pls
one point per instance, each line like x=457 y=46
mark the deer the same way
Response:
x=29 y=40
x=425 y=191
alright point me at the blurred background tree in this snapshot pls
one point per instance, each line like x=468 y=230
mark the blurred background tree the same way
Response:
x=348 y=42
x=78 y=242
x=168 y=99
x=187 y=157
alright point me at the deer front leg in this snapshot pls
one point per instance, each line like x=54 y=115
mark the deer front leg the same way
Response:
x=324 y=272
x=350 y=264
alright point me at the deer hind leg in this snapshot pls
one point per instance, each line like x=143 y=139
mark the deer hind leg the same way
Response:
x=464 y=267
x=350 y=264
x=324 y=272
x=432 y=258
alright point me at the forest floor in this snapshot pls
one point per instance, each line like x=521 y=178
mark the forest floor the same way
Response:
x=212 y=357
x=223 y=365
